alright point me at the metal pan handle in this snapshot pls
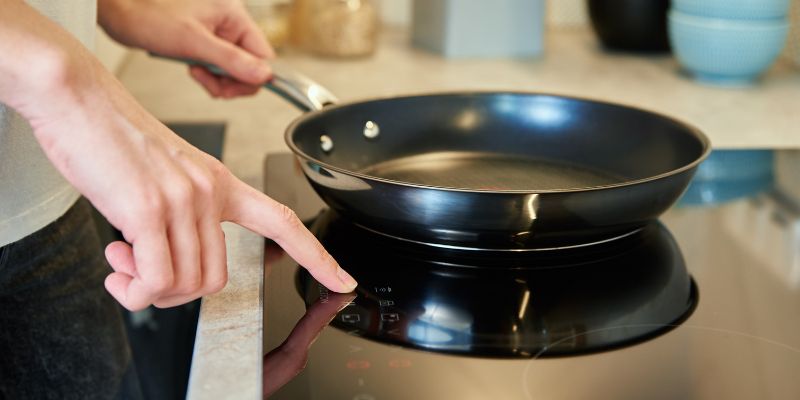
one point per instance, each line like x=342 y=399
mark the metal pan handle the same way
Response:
x=294 y=87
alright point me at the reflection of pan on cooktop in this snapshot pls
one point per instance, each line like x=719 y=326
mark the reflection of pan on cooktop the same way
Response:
x=537 y=305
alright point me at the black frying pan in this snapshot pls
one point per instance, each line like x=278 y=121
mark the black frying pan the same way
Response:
x=491 y=170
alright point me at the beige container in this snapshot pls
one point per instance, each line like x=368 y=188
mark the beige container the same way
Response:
x=299 y=22
x=272 y=17
x=342 y=28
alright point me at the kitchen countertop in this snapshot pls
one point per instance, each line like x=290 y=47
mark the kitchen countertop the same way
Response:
x=227 y=362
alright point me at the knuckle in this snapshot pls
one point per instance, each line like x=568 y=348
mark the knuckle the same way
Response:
x=219 y=175
x=188 y=26
x=135 y=304
x=189 y=285
x=146 y=209
x=216 y=282
x=238 y=57
x=162 y=304
x=216 y=285
x=216 y=168
x=133 y=307
x=323 y=255
x=152 y=203
x=158 y=283
x=205 y=185
x=288 y=216
x=182 y=193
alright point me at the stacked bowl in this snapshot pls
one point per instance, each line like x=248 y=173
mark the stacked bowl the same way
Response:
x=727 y=42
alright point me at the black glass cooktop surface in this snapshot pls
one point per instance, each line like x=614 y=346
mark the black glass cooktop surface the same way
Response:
x=702 y=304
x=507 y=305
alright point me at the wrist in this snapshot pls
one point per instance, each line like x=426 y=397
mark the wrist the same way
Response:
x=64 y=85
x=44 y=64
x=42 y=74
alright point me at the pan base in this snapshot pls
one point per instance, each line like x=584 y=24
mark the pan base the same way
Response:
x=518 y=250
x=488 y=171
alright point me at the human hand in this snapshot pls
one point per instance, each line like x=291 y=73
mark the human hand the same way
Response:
x=165 y=196
x=214 y=31
x=168 y=199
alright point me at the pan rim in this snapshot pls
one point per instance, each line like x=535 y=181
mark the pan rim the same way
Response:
x=691 y=129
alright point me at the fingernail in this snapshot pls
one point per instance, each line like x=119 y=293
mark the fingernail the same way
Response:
x=346 y=279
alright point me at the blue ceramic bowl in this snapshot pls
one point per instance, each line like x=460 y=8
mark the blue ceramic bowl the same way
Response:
x=725 y=51
x=728 y=175
x=735 y=9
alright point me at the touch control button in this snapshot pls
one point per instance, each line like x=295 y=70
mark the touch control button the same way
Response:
x=390 y=317
x=351 y=318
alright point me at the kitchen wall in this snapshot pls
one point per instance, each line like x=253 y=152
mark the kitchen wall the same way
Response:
x=559 y=12
x=396 y=12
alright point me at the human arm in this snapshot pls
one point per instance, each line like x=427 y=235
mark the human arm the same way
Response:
x=165 y=196
x=219 y=32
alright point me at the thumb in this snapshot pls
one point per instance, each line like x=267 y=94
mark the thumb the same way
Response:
x=236 y=61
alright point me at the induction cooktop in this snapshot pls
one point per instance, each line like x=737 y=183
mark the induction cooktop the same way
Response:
x=704 y=303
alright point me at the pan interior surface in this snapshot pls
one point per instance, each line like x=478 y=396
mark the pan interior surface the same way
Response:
x=489 y=171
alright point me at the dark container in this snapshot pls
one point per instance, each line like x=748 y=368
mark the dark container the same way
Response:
x=631 y=25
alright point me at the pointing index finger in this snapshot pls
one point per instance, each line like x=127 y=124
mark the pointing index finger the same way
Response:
x=257 y=212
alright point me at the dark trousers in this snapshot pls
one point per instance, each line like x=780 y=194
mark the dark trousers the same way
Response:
x=61 y=333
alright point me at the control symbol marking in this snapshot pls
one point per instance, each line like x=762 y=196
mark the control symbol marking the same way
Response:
x=351 y=318
x=399 y=363
x=355 y=349
x=358 y=364
x=390 y=317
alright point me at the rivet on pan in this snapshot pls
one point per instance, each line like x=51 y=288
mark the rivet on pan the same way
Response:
x=326 y=143
x=371 y=130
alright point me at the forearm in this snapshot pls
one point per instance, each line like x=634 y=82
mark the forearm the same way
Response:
x=41 y=62
x=153 y=25
x=119 y=17
x=215 y=31
x=109 y=11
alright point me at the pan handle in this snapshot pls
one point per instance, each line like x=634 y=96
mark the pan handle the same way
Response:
x=294 y=87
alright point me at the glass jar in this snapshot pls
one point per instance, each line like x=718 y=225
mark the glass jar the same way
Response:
x=272 y=17
x=342 y=28
x=299 y=23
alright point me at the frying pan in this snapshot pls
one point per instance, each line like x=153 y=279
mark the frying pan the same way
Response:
x=505 y=171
